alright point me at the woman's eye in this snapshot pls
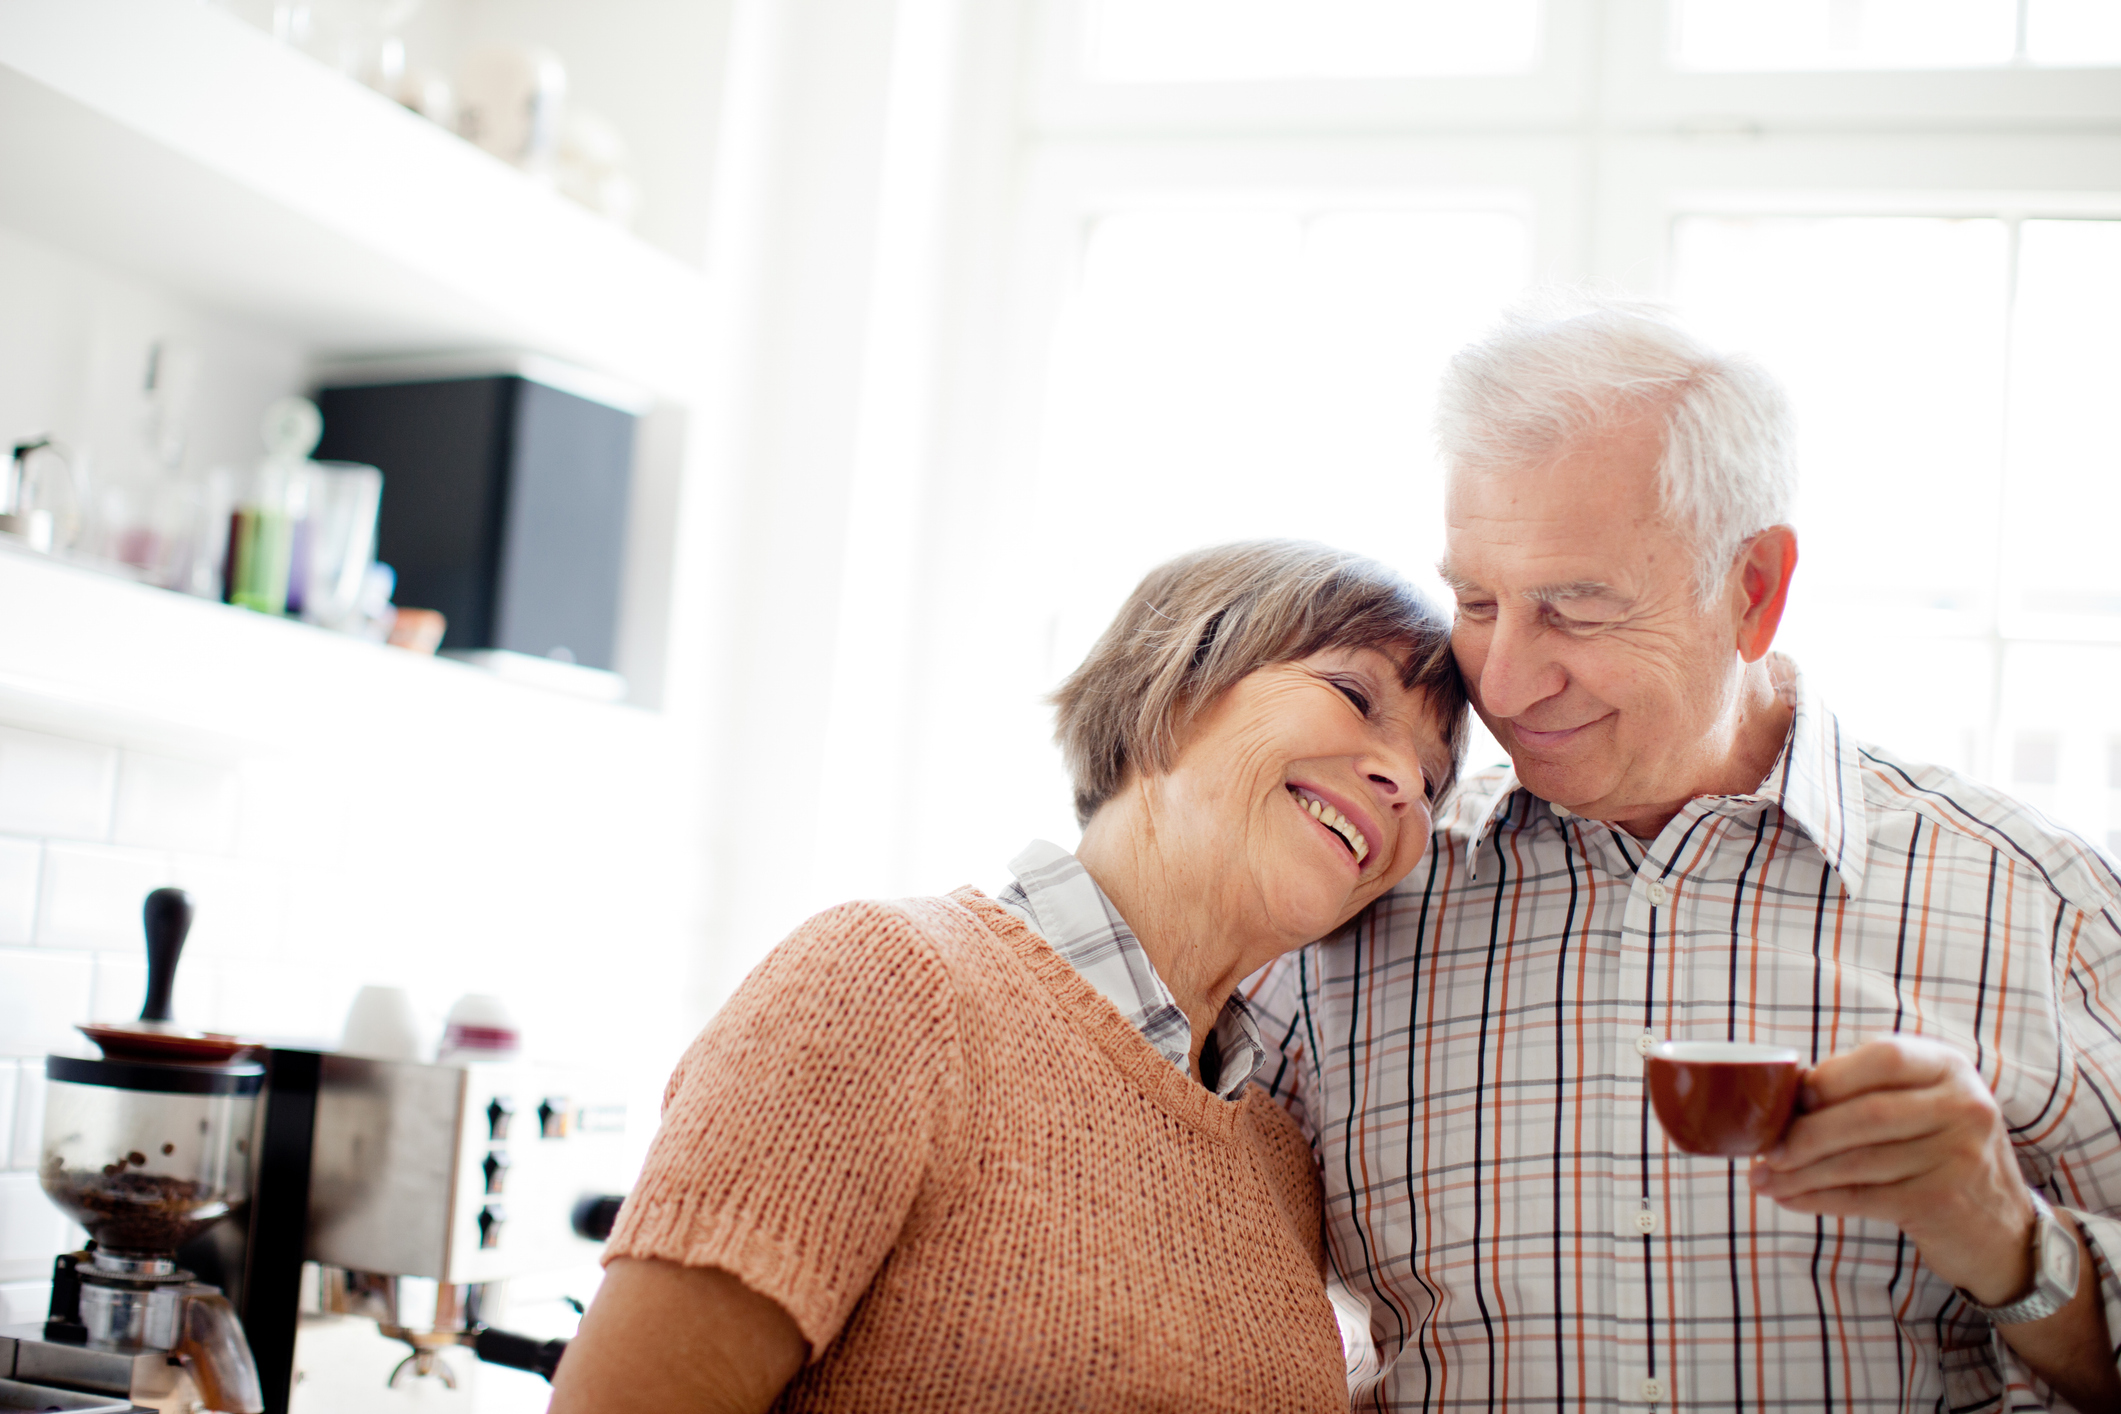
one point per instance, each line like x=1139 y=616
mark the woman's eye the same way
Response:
x=1355 y=695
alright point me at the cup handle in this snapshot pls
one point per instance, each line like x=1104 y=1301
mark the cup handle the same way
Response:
x=210 y=1343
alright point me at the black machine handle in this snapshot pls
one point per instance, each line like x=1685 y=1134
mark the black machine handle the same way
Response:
x=595 y=1213
x=168 y=919
x=593 y=1217
x=519 y=1352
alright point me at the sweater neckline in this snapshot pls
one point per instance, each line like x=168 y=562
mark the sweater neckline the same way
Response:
x=1092 y=1013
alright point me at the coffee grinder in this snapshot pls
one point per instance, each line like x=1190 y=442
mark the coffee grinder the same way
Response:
x=147 y=1148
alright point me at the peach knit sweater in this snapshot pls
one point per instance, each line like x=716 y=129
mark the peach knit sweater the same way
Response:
x=975 y=1187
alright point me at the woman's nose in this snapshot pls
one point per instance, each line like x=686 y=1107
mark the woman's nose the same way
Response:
x=1389 y=792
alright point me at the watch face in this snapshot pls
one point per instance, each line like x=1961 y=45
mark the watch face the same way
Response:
x=2058 y=1257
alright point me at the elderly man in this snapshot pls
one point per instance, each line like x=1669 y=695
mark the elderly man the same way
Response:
x=1687 y=845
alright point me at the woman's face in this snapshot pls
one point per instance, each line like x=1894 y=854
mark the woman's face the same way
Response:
x=1302 y=794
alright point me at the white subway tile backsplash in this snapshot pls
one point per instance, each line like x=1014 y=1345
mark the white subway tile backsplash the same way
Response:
x=167 y=803
x=53 y=785
x=29 y=1115
x=42 y=995
x=19 y=863
x=24 y=1303
x=282 y=1003
x=92 y=895
x=7 y=1114
x=32 y=1230
x=295 y=810
x=121 y=986
x=198 y=1000
x=238 y=908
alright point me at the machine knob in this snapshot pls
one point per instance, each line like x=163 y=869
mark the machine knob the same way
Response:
x=499 y=1111
x=491 y=1219
x=496 y=1168
x=594 y=1214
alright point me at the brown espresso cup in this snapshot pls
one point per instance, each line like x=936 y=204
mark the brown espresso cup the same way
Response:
x=1729 y=1099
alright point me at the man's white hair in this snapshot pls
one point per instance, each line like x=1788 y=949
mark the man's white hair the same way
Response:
x=1564 y=367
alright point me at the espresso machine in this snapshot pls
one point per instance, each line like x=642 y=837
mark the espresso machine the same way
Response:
x=233 y=1193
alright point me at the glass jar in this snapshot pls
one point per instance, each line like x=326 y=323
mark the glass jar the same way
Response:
x=147 y=1155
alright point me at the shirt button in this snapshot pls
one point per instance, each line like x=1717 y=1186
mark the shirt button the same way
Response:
x=1657 y=893
x=1652 y=1390
x=1645 y=1222
x=1645 y=1043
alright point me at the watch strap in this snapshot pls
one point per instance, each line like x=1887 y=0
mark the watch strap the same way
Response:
x=2047 y=1295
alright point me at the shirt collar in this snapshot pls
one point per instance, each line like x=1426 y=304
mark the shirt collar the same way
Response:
x=1816 y=782
x=1057 y=899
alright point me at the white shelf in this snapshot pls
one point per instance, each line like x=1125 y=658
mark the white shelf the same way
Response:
x=89 y=654
x=171 y=140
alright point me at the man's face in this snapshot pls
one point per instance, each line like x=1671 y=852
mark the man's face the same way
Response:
x=1579 y=633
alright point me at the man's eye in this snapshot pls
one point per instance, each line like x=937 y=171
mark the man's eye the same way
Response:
x=1476 y=608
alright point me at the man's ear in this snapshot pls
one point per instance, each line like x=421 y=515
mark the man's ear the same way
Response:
x=1764 y=571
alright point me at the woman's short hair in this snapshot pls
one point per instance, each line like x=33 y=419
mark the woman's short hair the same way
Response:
x=1197 y=624
x=1568 y=365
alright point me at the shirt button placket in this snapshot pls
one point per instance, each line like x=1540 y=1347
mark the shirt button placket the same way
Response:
x=1636 y=1379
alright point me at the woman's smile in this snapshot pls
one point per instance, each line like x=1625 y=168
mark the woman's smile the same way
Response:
x=1333 y=815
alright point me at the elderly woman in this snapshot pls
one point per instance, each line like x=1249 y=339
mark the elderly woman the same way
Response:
x=973 y=1153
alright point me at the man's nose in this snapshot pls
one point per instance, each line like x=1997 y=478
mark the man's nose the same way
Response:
x=1518 y=672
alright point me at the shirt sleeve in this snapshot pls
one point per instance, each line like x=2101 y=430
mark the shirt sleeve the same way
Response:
x=1277 y=997
x=803 y=1125
x=2084 y=1162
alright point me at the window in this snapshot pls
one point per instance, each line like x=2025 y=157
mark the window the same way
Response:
x=1251 y=231
x=1180 y=40
x=1893 y=34
x=1253 y=371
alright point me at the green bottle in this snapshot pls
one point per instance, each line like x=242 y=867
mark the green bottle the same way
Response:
x=268 y=517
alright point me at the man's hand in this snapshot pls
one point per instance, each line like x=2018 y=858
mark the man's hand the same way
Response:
x=1904 y=1131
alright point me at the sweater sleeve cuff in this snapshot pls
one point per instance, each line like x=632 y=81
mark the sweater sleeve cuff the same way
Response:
x=2102 y=1238
x=666 y=1230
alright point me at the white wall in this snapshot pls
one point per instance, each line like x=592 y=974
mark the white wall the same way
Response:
x=654 y=68
x=74 y=341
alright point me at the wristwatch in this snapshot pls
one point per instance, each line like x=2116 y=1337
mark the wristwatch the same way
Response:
x=2055 y=1272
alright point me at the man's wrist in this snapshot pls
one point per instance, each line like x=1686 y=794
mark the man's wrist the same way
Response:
x=2052 y=1267
x=2011 y=1277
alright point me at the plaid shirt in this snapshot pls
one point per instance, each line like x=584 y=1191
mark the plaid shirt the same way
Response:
x=1057 y=899
x=1506 y=1218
